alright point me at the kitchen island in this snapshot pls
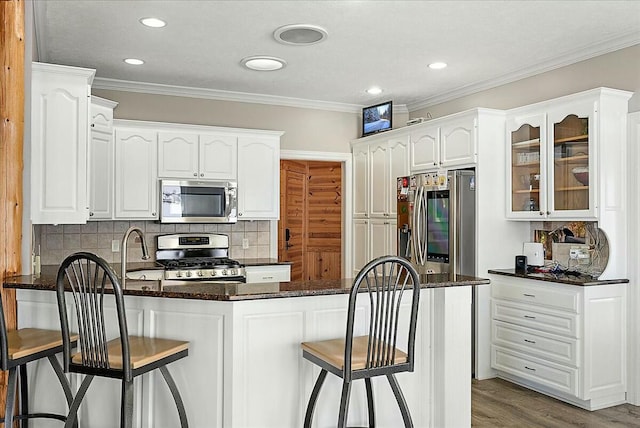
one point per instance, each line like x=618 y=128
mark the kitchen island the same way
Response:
x=245 y=367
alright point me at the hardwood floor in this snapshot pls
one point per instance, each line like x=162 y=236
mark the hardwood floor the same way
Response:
x=498 y=403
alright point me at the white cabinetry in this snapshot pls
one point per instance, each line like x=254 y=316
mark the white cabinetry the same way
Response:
x=258 y=177
x=549 y=142
x=59 y=143
x=197 y=156
x=377 y=162
x=136 y=174
x=444 y=143
x=562 y=340
x=101 y=153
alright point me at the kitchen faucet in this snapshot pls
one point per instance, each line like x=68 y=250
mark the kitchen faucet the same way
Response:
x=123 y=249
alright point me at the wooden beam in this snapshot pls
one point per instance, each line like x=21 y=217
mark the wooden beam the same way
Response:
x=11 y=147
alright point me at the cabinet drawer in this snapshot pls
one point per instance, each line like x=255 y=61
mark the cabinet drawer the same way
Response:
x=272 y=273
x=556 y=322
x=549 y=347
x=556 y=297
x=556 y=376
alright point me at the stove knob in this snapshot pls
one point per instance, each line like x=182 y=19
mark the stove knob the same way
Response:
x=178 y=274
x=214 y=273
x=188 y=274
x=224 y=271
x=200 y=273
x=233 y=272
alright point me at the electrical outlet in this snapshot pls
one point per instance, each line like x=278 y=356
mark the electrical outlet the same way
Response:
x=115 y=246
x=245 y=243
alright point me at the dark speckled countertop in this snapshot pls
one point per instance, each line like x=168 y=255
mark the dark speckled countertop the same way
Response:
x=580 y=280
x=235 y=291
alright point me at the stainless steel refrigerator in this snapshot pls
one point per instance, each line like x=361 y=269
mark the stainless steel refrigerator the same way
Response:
x=437 y=224
x=437 y=221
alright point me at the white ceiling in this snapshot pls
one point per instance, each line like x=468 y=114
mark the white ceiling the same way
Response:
x=383 y=43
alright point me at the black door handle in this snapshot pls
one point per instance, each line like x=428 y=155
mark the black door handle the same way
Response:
x=287 y=234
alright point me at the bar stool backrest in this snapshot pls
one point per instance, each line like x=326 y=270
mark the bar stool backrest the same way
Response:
x=383 y=282
x=88 y=276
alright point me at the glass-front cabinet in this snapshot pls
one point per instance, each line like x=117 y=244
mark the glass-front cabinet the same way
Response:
x=550 y=159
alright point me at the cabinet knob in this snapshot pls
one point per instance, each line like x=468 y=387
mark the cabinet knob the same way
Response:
x=153 y=214
x=435 y=163
x=195 y=174
x=239 y=214
x=90 y=214
x=541 y=213
x=548 y=212
x=93 y=125
x=201 y=174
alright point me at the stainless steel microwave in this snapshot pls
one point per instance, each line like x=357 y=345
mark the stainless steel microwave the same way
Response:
x=198 y=201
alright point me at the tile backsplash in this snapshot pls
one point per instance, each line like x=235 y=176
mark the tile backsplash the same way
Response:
x=57 y=242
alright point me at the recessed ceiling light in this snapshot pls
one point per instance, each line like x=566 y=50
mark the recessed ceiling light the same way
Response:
x=437 y=65
x=153 y=22
x=134 y=61
x=374 y=90
x=263 y=63
x=300 y=34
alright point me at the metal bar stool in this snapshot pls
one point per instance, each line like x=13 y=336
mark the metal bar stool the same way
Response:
x=382 y=282
x=87 y=277
x=22 y=346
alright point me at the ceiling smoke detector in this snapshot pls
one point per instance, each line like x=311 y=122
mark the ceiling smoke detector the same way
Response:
x=300 y=34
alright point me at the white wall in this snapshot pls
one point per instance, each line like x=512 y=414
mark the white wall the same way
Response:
x=305 y=128
x=617 y=70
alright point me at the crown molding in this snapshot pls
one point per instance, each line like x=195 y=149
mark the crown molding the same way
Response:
x=214 y=94
x=589 y=52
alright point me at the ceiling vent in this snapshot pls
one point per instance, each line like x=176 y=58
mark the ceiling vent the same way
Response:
x=300 y=34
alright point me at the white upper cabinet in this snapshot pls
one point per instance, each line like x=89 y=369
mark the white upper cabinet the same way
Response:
x=101 y=154
x=557 y=152
x=425 y=148
x=444 y=143
x=258 y=177
x=177 y=155
x=360 y=180
x=59 y=143
x=197 y=156
x=136 y=175
x=218 y=157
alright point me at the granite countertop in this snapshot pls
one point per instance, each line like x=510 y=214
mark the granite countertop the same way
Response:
x=237 y=291
x=580 y=280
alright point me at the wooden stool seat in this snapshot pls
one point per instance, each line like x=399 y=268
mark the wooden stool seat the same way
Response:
x=19 y=348
x=30 y=341
x=143 y=350
x=332 y=352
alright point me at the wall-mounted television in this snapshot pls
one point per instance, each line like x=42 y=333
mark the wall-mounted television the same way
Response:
x=377 y=118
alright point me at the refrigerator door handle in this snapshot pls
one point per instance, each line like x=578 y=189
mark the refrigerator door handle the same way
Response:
x=419 y=235
x=416 y=227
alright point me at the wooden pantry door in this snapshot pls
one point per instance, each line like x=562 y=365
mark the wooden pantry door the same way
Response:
x=311 y=211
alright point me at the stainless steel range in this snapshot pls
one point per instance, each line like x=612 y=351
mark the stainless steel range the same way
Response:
x=199 y=257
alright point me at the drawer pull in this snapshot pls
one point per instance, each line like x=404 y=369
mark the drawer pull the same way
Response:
x=529 y=317
x=267 y=277
x=529 y=368
x=530 y=341
x=529 y=295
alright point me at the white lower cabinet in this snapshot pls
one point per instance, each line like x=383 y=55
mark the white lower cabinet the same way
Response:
x=245 y=368
x=563 y=340
x=372 y=238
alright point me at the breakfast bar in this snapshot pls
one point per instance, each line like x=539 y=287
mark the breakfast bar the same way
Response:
x=245 y=368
